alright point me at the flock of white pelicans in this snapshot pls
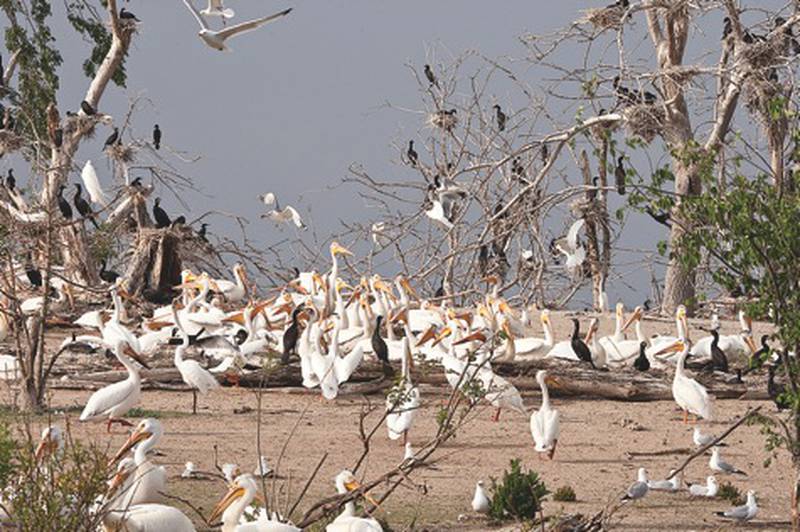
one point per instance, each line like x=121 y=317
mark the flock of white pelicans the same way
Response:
x=331 y=327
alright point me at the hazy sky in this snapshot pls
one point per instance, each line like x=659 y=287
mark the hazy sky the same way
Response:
x=295 y=103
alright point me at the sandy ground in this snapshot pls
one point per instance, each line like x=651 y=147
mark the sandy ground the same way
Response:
x=592 y=453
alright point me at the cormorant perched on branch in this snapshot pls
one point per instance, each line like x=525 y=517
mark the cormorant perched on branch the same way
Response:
x=411 y=153
x=87 y=108
x=431 y=77
x=157 y=137
x=619 y=175
x=34 y=275
x=83 y=207
x=112 y=139
x=63 y=205
x=501 y=117
x=661 y=217
x=202 y=232
x=160 y=215
x=109 y=276
x=727 y=27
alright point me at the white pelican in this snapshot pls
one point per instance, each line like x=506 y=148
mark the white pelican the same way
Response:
x=113 y=331
x=347 y=520
x=92 y=184
x=500 y=393
x=733 y=345
x=192 y=373
x=618 y=349
x=402 y=401
x=233 y=291
x=599 y=355
x=148 y=518
x=333 y=370
x=50 y=444
x=335 y=250
x=690 y=395
x=480 y=502
x=545 y=421
x=663 y=343
x=216 y=39
x=530 y=346
x=242 y=492
x=147 y=480
x=116 y=399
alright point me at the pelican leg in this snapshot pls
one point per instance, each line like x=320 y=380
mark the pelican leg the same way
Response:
x=194 y=401
x=496 y=416
x=121 y=421
x=405 y=437
x=552 y=450
x=685 y=417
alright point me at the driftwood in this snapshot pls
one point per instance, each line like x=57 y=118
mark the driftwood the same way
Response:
x=576 y=381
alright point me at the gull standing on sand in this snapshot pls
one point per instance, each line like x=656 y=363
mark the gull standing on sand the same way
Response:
x=744 y=512
x=216 y=39
x=480 y=502
x=716 y=463
x=701 y=439
x=638 y=489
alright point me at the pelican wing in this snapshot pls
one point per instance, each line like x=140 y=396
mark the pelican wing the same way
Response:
x=572 y=234
x=155 y=517
x=197 y=15
x=92 y=184
x=198 y=377
x=250 y=25
x=106 y=399
x=344 y=367
x=692 y=396
x=436 y=213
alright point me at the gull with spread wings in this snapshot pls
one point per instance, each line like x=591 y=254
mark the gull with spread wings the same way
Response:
x=278 y=215
x=216 y=39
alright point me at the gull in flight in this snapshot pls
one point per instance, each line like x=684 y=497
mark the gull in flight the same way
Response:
x=216 y=9
x=575 y=252
x=216 y=39
x=278 y=215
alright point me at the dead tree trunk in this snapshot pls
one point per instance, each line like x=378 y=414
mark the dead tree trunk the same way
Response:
x=156 y=263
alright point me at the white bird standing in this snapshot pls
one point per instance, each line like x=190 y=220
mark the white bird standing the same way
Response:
x=278 y=215
x=545 y=421
x=701 y=439
x=216 y=39
x=744 y=512
x=217 y=9
x=116 y=399
x=672 y=483
x=192 y=373
x=92 y=184
x=638 y=489
x=347 y=521
x=242 y=492
x=403 y=400
x=480 y=502
x=716 y=463
x=709 y=489
x=690 y=395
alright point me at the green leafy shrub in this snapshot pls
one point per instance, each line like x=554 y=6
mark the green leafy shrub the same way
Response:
x=731 y=493
x=565 y=494
x=517 y=495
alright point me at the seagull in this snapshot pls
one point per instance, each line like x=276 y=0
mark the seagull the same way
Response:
x=716 y=463
x=701 y=439
x=278 y=215
x=707 y=490
x=92 y=184
x=638 y=489
x=574 y=252
x=189 y=470
x=216 y=39
x=744 y=512
x=672 y=483
x=436 y=213
x=480 y=502
x=216 y=9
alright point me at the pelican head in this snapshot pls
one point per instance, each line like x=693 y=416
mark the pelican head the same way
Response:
x=545 y=317
x=403 y=280
x=544 y=378
x=337 y=249
x=50 y=442
x=637 y=314
x=125 y=469
x=346 y=482
x=243 y=486
x=148 y=429
x=620 y=309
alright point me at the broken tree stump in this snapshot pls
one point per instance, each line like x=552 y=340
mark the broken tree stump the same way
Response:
x=156 y=262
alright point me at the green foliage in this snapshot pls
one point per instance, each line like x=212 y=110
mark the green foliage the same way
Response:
x=59 y=490
x=88 y=23
x=731 y=493
x=752 y=235
x=518 y=495
x=565 y=494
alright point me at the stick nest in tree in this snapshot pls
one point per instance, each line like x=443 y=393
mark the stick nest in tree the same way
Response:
x=446 y=120
x=120 y=152
x=604 y=18
x=644 y=121
x=760 y=96
x=10 y=142
x=765 y=54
